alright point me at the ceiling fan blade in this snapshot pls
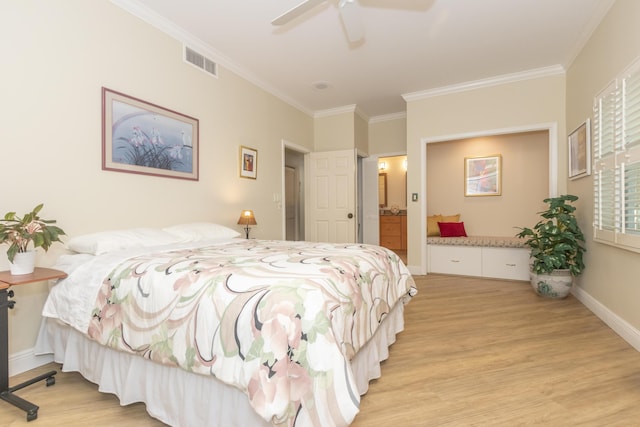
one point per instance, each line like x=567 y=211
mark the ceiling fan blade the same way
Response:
x=296 y=11
x=351 y=19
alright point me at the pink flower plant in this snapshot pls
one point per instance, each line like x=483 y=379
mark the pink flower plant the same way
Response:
x=19 y=232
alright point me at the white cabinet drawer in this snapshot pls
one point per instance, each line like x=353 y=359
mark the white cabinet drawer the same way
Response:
x=505 y=263
x=462 y=260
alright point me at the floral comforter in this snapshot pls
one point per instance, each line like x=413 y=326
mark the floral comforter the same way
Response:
x=279 y=320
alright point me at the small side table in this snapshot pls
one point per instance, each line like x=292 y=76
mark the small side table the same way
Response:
x=6 y=281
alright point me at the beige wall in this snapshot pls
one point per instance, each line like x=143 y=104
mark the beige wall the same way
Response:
x=57 y=55
x=361 y=135
x=341 y=131
x=520 y=104
x=334 y=132
x=611 y=274
x=388 y=136
x=525 y=182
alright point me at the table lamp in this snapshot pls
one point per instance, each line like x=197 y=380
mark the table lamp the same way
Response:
x=246 y=219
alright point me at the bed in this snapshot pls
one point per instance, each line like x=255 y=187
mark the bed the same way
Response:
x=209 y=329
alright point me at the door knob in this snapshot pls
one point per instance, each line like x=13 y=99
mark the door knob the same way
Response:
x=350 y=216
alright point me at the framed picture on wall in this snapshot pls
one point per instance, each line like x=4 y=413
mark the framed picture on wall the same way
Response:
x=248 y=162
x=483 y=176
x=144 y=138
x=580 y=151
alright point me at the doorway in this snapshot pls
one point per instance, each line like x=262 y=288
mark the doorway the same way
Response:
x=294 y=195
x=392 y=203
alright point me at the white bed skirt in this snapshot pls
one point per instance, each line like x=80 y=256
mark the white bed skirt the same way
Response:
x=177 y=397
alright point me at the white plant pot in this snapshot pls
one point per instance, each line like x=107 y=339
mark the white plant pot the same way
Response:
x=557 y=284
x=23 y=263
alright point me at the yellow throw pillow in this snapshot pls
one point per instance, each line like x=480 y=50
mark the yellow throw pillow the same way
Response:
x=432 y=225
x=450 y=218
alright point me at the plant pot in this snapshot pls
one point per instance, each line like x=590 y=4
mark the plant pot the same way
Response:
x=556 y=284
x=23 y=263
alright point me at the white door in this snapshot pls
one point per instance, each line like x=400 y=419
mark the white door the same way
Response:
x=331 y=210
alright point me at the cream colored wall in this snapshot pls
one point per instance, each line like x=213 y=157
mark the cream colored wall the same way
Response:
x=525 y=182
x=341 y=131
x=361 y=135
x=57 y=56
x=611 y=274
x=507 y=106
x=388 y=136
x=334 y=132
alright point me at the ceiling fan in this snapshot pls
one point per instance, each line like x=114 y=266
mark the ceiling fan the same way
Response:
x=349 y=13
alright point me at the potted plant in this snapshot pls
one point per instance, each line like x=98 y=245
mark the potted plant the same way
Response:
x=23 y=232
x=557 y=248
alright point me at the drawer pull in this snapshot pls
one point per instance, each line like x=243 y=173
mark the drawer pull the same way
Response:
x=510 y=265
x=455 y=260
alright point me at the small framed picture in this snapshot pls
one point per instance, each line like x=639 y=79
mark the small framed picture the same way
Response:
x=248 y=162
x=483 y=176
x=580 y=151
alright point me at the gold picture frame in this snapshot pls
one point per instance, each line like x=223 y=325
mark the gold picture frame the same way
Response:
x=483 y=176
x=248 y=162
x=580 y=151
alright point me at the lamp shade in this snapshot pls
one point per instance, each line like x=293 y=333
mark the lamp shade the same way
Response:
x=247 y=218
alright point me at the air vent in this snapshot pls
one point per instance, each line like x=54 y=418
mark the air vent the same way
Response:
x=200 y=61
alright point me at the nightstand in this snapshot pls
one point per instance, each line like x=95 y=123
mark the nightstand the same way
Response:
x=6 y=281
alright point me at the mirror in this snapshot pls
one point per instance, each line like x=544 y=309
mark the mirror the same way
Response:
x=382 y=189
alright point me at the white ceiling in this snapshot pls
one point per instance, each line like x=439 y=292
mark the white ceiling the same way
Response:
x=410 y=46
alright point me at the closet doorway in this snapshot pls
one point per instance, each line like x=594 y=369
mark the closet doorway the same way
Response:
x=293 y=195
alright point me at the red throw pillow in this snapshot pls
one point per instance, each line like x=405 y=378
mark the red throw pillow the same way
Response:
x=452 y=229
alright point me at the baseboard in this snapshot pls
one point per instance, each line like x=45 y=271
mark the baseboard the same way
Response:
x=615 y=322
x=26 y=360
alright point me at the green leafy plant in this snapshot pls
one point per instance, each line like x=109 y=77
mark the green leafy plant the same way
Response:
x=556 y=241
x=19 y=232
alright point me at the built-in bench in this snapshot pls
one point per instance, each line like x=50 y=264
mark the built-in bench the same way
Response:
x=482 y=256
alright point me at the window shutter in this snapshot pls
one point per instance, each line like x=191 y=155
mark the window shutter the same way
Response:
x=606 y=126
x=616 y=146
x=631 y=107
x=630 y=160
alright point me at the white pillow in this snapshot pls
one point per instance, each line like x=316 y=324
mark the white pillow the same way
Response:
x=195 y=231
x=108 y=241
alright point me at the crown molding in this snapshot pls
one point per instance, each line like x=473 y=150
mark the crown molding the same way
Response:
x=388 y=117
x=492 y=81
x=335 y=111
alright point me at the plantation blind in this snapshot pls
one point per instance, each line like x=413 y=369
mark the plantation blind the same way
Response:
x=616 y=145
x=606 y=125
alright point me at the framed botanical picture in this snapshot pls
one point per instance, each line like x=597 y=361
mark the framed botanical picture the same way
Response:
x=248 y=162
x=580 y=151
x=483 y=176
x=144 y=138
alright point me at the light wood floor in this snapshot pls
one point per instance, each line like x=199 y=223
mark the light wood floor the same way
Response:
x=474 y=352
